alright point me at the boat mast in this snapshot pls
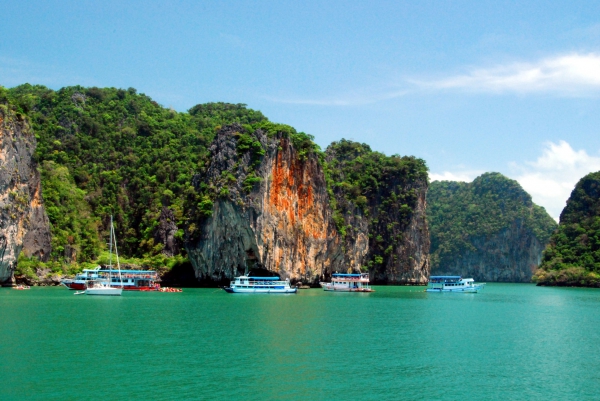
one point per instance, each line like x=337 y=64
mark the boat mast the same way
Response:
x=110 y=243
x=114 y=238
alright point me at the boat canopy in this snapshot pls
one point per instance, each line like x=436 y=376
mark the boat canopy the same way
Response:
x=264 y=278
x=444 y=277
x=345 y=275
x=146 y=272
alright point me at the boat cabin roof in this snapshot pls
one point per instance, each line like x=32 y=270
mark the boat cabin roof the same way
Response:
x=100 y=270
x=345 y=275
x=445 y=277
x=146 y=272
x=276 y=278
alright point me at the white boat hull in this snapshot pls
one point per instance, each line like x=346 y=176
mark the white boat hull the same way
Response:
x=329 y=287
x=104 y=291
x=261 y=290
x=468 y=290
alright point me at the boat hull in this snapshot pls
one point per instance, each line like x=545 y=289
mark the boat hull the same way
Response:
x=81 y=286
x=466 y=290
x=260 y=290
x=329 y=287
x=107 y=291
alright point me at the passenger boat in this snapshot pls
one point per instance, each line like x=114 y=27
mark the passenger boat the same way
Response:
x=265 y=285
x=351 y=282
x=453 y=284
x=132 y=280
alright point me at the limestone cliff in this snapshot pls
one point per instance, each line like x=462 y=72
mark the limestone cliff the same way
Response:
x=23 y=222
x=511 y=255
x=489 y=229
x=266 y=205
x=165 y=232
x=380 y=204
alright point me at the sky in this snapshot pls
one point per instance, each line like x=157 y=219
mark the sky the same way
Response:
x=468 y=86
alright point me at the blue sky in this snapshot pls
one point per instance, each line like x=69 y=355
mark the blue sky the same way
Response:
x=469 y=86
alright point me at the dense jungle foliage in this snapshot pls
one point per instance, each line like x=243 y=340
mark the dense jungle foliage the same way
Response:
x=573 y=255
x=382 y=189
x=458 y=212
x=108 y=151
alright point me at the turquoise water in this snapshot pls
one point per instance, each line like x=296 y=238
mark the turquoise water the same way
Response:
x=510 y=342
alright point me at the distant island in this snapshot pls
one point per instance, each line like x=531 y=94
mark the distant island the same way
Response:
x=488 y=229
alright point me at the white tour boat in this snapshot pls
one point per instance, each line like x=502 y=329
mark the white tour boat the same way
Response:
x=265 y=285
x=132 y=280
x=453 y=284
x=103 y=286
x=351 y=282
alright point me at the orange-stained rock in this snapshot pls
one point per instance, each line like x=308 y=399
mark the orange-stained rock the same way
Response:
x=285 y=220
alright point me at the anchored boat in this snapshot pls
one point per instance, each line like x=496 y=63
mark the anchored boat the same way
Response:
x=103 y=286
x=132 y=280
x=351 y=282
x=265 y=285
x=453 y=284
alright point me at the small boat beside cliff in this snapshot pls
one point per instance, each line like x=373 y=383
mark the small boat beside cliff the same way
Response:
x=453 y=284
x=260 y=285
x=131 y=280
x=103 y=286
x=350 y=282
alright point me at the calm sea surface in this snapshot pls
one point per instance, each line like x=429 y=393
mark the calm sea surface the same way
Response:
x=509 y=342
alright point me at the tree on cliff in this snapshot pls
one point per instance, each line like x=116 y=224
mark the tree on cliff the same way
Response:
x=573 y=255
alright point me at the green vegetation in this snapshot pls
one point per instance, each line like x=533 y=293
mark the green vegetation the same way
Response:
x=109 y=151
x=383 y=189
x=104 y=151
x=573 y=255
x=247 y=141
x=459 y=212
x=74 y=231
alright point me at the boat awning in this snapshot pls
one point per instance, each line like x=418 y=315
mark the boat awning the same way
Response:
x=345 y=275
x=142 y=272
x=264 y=278
x=444 y=277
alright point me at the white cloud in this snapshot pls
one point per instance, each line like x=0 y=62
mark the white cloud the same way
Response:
x=573 y=74
x=465 y=175
x=551 y=178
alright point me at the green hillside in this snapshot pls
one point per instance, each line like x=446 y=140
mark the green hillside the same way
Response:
x=573 y=255
x=106 y=151
x=459 y=213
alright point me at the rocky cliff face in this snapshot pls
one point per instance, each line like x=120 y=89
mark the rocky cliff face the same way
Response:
x=511 y=255
x=489 y=229
x=380 y=205
x=24 y=225
x=165 y=232
x=266 y=206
